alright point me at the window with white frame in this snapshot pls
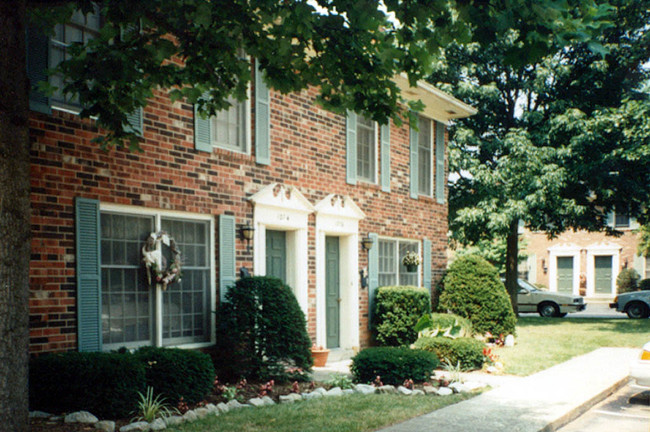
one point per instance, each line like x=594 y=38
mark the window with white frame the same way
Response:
x=366 y=149
x=425 y=155
x=229 y=126
x=621 y=220
x=81 y=29
x=391 y=270
x=128 y=301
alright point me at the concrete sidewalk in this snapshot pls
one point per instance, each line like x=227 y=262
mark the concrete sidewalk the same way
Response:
x=542 y=402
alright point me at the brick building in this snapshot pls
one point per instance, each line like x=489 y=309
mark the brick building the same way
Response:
x=310 y=183
x=582 y=262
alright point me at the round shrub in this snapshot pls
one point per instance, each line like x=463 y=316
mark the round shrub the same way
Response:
x=397 y=310
x=467 y=351
x=644 y=284
x=262 y=331
x=627 y=281
x=393 y=365
x=106 y=384
x=443 y=324
x=175 y=373
x=472 y=289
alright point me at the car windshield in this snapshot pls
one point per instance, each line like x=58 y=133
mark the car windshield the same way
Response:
x=527 y=285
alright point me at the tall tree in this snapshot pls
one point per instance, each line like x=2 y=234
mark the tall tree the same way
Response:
x=560 y=141
x=350 y=49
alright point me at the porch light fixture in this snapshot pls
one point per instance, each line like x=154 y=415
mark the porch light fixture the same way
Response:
x=366 y=243
x=247 y=232
x=544 y=268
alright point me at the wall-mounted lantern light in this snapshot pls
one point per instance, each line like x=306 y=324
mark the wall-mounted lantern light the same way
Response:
x=246 y=232
x=366 y=243
x=544 y=267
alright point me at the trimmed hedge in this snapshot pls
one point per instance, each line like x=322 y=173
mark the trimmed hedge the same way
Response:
x=397 y=310
x=106 y=384
x=176 y=373
x=261 y=332
x=627 y=281
x=644 y=284
x=467 y=351
x=472 y=289
x=393 y=365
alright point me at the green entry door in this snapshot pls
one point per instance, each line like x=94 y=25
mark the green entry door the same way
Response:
x=276 y=254
x=565 y=274
x=603 y=270
x=332 y=291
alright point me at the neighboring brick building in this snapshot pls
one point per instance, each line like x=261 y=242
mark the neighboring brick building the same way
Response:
x=582 y=262
x=310 y=182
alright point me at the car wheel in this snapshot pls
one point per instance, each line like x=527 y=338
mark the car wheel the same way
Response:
x=548 y=310
x=637 y=310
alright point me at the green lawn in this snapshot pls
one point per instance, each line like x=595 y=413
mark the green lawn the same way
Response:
x=543 y=342
x=341 y=414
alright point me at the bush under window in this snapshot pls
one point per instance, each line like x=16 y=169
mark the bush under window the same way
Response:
x=466 y=351
x=397 y=310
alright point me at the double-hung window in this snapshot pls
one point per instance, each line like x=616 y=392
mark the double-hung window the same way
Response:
x=129 y=306
x=229 y=126
x=391 y=270
x=425 y=156
x=366 y=149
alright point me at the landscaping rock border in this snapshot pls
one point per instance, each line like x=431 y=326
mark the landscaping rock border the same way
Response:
x=215 y=410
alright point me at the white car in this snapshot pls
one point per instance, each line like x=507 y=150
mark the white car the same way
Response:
x=640 y=368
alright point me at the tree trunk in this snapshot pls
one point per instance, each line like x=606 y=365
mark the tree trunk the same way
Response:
x=512 y=253
x=14 y=218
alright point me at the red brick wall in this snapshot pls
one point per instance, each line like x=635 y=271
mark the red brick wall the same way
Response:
x=307 y=151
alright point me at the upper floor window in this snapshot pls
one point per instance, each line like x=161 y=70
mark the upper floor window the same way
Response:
x=366 y=149
x=81 y=29
x=425 y=156
x=391 y=270
x=229 y=127
x=621 y=220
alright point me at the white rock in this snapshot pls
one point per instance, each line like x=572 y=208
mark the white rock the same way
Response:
x=445 y=391
x=365 y=389
x=492 y=369
x=290 y=398
x=174 y=420
x=137 y=426
x=348 y=391
x=510 y=341
x=234 y=404
x=404 y=391
x=334 y=391
x=458 y=387
x=268 y=401
x=157 y=425
x=386 y=389
x=418 y=392
x=474 y=385
x=80 y=417
x=312 y=395
x=39 y=414
x=190 y=416
x=201 y=412
x=105 y=426
x=222 y=407
x=212 y=409
x=320 y=390
x=430 y=390
x=256 y=402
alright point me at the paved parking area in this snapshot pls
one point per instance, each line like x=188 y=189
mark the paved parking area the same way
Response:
x=616 y=413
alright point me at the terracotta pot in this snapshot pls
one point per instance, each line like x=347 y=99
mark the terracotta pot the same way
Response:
x=320 y=356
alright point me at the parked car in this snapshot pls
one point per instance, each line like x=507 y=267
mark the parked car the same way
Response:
x=635 y=304
x=640 y=368
x=547 y=303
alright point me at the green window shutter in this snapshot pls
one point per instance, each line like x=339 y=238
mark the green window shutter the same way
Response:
x=351 y=148
x=202 y=132
x=385 y=157
x=226 y=254
x=262 y=121
x=37 y=63
x=426 y=263
x=373 y=275
x=413 y=141
x=89 y=278
x=440 y=162
x=134 y=120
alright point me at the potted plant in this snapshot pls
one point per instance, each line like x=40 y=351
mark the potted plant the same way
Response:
x=411 y=261
x=319 y=355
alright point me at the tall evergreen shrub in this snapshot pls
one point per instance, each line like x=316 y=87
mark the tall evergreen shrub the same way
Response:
x=472 y=289
x=397 y=310
x=262 y=331
x=627 y=281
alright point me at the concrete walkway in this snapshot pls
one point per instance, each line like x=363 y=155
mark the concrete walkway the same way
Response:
x=542 y=402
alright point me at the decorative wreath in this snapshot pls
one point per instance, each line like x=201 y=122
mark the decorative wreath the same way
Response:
x=156 y=264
